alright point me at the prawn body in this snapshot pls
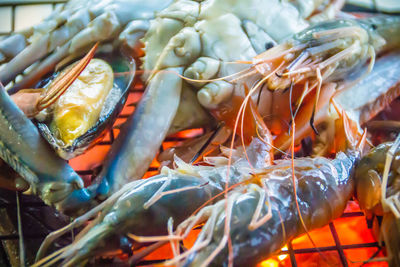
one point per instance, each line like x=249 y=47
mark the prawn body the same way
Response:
x=323 y=188
x=143 y=208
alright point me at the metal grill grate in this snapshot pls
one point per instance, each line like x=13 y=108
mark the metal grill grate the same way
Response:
x=292 y=250
x=10 y=6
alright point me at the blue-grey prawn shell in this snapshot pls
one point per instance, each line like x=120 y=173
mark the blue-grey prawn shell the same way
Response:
x=24 y=149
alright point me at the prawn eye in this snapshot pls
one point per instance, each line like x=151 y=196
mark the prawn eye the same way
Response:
x=374 y=26
x=269 y=45
x=126 y=246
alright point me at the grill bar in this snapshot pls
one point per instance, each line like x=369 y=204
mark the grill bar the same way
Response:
x=331 y=248
x=338 y=246
x=292 y=255
x=7 y=3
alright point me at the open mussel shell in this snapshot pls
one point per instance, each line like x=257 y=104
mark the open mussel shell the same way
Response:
x=124 y=72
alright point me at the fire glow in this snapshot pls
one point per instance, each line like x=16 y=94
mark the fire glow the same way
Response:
x=351 y=231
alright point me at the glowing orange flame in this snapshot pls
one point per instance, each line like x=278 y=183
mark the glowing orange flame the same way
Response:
x=269 y=263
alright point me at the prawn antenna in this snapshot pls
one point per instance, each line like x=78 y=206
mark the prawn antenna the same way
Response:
x=319 y=78
x=207 y=143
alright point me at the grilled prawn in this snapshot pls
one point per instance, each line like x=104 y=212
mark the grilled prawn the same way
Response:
x=145 y=207
x=258 y=219
x=263 y=195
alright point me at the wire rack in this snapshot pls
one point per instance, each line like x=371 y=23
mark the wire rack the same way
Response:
x=294 y=253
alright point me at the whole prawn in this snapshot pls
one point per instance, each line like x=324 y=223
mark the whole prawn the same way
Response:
x=262 y=217
x=144 y=207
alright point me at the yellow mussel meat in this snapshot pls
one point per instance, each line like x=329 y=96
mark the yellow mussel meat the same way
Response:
x=77 y=110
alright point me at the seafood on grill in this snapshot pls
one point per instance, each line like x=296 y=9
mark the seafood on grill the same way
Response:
x=378 y=192
x=243 y=176
x=143 y=133
x=144 y=207
x=59 y=184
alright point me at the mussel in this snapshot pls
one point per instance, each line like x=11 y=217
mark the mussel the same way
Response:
x=80 y=117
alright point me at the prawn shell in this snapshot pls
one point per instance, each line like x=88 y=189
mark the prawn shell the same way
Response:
x=125 y=69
